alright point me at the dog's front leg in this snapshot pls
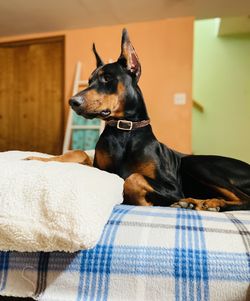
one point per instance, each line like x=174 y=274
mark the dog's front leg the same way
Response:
x=75 y=156
x=135 y=190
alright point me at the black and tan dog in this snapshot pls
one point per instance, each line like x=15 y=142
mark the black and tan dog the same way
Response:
x=153 y=173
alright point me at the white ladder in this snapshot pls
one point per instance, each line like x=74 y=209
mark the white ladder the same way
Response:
x=78 y=83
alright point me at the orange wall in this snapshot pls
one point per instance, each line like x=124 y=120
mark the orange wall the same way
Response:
x=165 y=50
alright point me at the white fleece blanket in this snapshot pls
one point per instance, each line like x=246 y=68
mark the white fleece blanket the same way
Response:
x=53 y=206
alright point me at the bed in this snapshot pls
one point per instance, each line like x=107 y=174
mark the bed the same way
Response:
x=145 y=253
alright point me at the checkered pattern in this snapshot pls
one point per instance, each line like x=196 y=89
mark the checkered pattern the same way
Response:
x=145 y=253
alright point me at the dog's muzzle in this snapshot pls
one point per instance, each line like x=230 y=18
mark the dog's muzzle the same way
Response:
x=75 y=102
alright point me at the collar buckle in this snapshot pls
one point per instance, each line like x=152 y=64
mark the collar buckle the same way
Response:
x=128 y=125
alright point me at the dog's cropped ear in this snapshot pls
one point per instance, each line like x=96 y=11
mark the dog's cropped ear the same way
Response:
x=128 y=57
x=99 y=61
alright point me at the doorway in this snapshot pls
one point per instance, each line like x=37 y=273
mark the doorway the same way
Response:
x=32 y=95
x=221 y=84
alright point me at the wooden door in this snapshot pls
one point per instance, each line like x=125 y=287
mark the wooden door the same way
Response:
x=31 y=95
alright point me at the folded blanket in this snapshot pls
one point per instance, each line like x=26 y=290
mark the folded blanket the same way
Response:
x=53 y=206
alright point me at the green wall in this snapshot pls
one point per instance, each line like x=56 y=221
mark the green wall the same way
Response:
x=221 y=83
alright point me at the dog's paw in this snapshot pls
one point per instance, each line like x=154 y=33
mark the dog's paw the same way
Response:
x=183 y=204
x=195 y=204
x=36 y=158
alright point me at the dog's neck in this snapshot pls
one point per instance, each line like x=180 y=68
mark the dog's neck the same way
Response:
x=135 y=112
x=135 y=108
x=123 y=144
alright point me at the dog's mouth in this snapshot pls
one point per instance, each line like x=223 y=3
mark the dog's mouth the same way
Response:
x=77 y=104
x=90 y=115
x=105 y=113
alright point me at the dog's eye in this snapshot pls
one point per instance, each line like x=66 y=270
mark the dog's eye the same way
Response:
x=105 y=78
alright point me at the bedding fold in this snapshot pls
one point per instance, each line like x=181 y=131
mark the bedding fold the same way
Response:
x=53 y=206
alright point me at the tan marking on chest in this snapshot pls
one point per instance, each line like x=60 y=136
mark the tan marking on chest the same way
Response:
x=147 y=169
x=103 y=159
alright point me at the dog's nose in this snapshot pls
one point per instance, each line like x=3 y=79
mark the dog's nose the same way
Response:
x=76 y=101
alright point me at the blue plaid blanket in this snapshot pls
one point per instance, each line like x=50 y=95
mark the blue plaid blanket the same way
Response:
x=145 y=253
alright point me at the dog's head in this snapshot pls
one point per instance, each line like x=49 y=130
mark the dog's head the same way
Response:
x=112 y=89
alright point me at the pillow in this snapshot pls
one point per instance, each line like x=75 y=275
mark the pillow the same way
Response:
x=53 y=206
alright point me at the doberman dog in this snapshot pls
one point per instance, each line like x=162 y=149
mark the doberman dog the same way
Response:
x=154 y=174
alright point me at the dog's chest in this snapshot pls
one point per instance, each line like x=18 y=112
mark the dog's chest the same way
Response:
x=124 y=155
x=124 y=164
